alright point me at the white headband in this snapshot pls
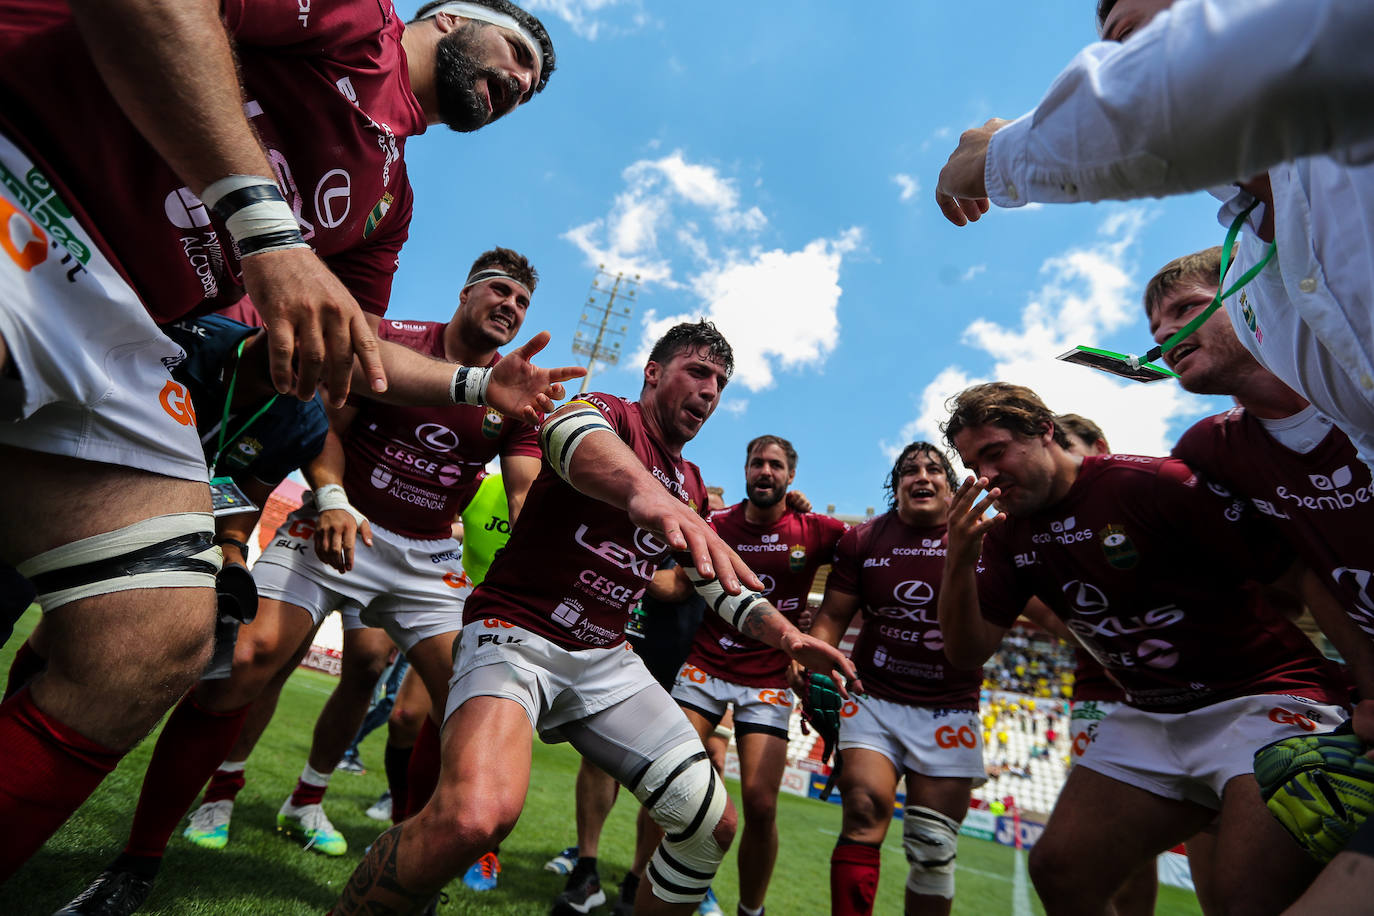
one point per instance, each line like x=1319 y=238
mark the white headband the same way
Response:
x=492 y=273
x=492 y=17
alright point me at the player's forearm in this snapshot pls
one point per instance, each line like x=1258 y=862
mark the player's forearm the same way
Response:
x=414 y=380
x=832 y=620
x=1355 y=645
x=769 y=626
x=605 y=468
x=328 y=466
x=169 y=65
x=969 y=639
x=1157 y=115
x=236 y=529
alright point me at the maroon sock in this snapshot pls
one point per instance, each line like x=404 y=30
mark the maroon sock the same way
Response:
x=47 y=770
x=225 y=785
x=191 y=746
x=853 y=878
x=26 y=666
x=307 y=794
x=397 y=779
x=424 y=767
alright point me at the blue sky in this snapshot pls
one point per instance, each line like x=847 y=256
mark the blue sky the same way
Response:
x=771 y=166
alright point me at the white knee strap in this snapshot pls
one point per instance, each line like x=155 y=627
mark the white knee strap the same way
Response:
x=169 y=551
x=687 y=799
x=931 y=841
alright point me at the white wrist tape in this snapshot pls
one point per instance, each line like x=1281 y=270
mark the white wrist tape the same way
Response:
x=469 y=386
x=255 y=214
x=733 y=609
x=561 y=435
x=332 y=496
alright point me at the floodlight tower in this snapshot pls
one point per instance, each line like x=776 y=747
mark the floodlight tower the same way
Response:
x=601 y=329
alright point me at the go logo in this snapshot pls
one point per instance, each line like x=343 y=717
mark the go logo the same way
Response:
x=948 y=736
x=775 y=697
x=303 y=528
x=457 y=580
x=1080 y=743
x=849 y=709
x=693 y=674
x=176 y=401
x=1285 y=717
x=491 y=623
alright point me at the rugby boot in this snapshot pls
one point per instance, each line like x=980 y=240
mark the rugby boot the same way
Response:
x=116 y=892
x=709 y=905
x=309 y=824
x=482 y=875
x=209 y=827
x=582 y=894
x=564 y=862
x=381 y=808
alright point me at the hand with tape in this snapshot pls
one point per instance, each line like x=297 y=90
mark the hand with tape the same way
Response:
x=338 y=527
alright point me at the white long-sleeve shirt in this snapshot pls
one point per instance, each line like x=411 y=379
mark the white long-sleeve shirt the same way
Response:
x=1220 y=90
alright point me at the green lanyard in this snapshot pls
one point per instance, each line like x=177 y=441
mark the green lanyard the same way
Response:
x=1227 y=250
x=224 y=421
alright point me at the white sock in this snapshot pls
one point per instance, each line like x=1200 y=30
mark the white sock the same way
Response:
x=233 y=766
x=312 y=777
x=748 y=912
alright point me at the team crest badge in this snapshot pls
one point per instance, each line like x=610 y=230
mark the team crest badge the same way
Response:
x=796 y=560
x=243 y=454
x=1119 y=548
x=491 y=424
x=377 y=213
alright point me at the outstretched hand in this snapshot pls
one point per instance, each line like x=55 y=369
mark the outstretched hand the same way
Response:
x=522 y=390
x=821 y=657
x=314 y=325
x=969 y=523
x=962 y=191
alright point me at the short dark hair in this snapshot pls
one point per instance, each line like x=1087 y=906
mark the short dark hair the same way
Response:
x=916 y=448
x=1201 y=267
x=1081 y=427
x=530 y=22
x=513 y=262
x=761 y=441
x=1104 y=9
x=698 y=335
x=1012 y=407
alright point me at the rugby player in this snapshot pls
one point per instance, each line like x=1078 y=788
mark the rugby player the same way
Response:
x=726 y=670
x=547 y=652
x=920 y=717
x=408 y=470
x=1148 y=567
x=184 y=210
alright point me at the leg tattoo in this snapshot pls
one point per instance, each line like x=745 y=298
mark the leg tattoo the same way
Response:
x=374 y=889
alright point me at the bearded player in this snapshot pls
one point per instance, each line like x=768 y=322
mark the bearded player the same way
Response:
x=726 y=670
x=920 y=717
x=1148 y=567
x=546 y=653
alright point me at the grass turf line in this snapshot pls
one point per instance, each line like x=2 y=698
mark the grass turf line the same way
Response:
x=262 y=873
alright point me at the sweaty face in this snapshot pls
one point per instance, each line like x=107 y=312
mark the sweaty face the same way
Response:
x=482 y=72
x=1130 y=16
x=1020 y=466
x=1211 y=360
x=492 y=312
x=684 y=392
x=766 y=476
x=922 y=489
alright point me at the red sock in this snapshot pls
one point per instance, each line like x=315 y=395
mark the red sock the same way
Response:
x=424 y=768
x=853 y=878
x=309 y=793
x=191 y=746
x=225 y=785
x=26 y=666
x=46 y=771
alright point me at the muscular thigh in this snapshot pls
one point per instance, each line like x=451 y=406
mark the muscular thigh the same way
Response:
x=868 y=791
x=625 y=738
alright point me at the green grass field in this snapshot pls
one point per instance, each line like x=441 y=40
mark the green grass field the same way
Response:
x=262 y=873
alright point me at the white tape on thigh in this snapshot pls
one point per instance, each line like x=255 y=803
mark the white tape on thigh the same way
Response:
x=687 y=799
x=931 y=841
x=169 y=551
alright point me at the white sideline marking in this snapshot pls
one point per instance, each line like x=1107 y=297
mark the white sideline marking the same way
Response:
x=1020 y=893
x=958 y=866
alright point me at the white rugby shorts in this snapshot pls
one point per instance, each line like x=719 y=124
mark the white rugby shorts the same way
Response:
x=413 y=589
x=931 y=742
x=1191 y=756
x=93 y=377
x=555 y=685
x=768 y=708
x=1084 y=718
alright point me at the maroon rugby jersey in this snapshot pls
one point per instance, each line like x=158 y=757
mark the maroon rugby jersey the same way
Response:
x=895 y=571
x=326 y=89
x=1091 y=681
x=412 y=470
x=575 y=566
x=1322 y=501
x=1146 y=565
x=785 y=556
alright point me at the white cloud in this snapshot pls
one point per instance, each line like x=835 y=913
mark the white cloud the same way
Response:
x=777 y=308
x=589 y=18
x=909 y=186
x=973 y=271
x=683 y=226
x=1087 y=293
